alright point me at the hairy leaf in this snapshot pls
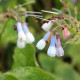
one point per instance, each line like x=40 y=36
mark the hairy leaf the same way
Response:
x=60 y=69
x=24 y=57
x=28 y=73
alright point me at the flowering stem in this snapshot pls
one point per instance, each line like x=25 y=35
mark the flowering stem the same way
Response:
x=55 y=29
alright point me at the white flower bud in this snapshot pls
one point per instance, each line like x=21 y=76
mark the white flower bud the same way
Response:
x=47 y=26
x=51 y=51
x=29 y=37
x=41 y=44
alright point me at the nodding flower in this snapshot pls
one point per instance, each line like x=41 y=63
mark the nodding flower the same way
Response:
x=59 y=49
x=20 y=43
x=46 y=26
x=41 y=44
x=66 y=33
x=52 y=49
x=21 y=35
x=29 y=36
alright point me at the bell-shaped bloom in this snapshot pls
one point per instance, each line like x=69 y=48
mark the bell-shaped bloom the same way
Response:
x=66 y=33
x=29 y=36
x=41 y=44
x=52 y=49
x=20 y=43
x=21 y=35
x=47 y=26
x=59 y=49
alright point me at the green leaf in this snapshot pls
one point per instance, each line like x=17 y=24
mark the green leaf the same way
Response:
x=5 y=4
x=30 y=0
x=66 y=72
x=60 y=69
x=9 y=78
x=11 y=4
x=25 y=1
x=76 y=42
x=24 y=57
x=74 y=53
x=1 y=76
x=48 y=63
x=9 y=34
x=28 y=73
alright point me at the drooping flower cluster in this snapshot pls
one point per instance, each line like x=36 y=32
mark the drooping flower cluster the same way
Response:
x=24 y=35
x=55 y=47
x=63 y=22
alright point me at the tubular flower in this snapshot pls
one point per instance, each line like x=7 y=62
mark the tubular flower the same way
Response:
x=59 y=49
x=41 y=44
x=21 y=35
x=66 y=33
x=52 y=50
x=29 y=36
x=47 y=26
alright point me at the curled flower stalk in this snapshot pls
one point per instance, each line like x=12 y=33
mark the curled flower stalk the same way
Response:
x=19 y=14
x=59 y=18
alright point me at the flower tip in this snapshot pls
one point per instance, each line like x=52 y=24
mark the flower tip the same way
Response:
x=47 y=26
x=20 y=43
x=21 y=36
x=30 y=38
x=51 y=51
x=41 y=44
x=60 y=52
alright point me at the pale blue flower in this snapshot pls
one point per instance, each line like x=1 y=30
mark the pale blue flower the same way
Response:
x=52 y=49
x=41 y=44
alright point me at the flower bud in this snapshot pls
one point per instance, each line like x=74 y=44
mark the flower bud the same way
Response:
x=66 y=33
x=47 y=26
x=59 y=49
